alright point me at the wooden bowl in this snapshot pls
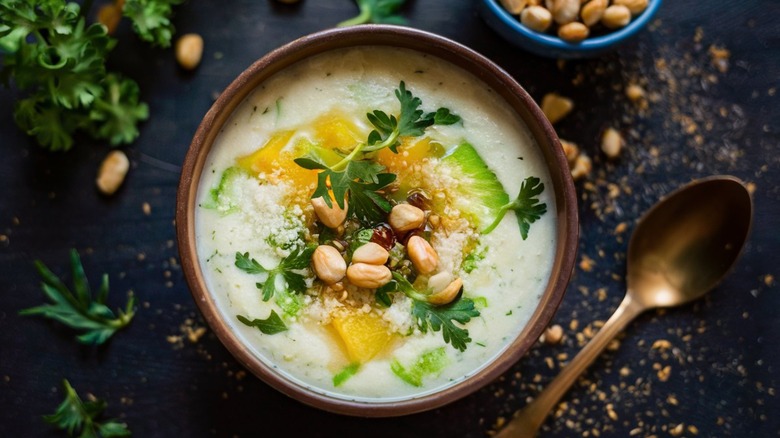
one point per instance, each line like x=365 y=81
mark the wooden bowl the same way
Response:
x=380 y=35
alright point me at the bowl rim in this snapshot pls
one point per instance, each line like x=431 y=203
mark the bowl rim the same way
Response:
x=426 y=43
x=588 y=45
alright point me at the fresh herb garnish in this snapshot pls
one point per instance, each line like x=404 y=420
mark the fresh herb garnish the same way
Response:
x=430 y=316
x=269 y=326
x=471 y=261
x=360 y=179
x=54 y=54
x=79 y=310
x=527 y=207
x=377 y=11
x=79 y=418
x=296 y=261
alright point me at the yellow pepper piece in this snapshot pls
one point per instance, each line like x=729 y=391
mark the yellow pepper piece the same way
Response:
x=364 y=334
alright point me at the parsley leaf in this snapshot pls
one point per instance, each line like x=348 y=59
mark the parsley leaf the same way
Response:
x=527 y=207
x=80 y=310
x=377 y=11
x=295 y=282
x=269 y=326
x=152 y=19
x=79 y=418
x=439 y=318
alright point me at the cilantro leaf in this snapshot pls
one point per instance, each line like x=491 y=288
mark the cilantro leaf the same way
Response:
x=294 y=281
x=79 y=310
x=152 y=19
x=79 y=418
x=526 y=206
x=377 y=11
x=269 y=326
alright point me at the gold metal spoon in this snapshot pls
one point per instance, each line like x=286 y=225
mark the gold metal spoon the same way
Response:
x=681 y=248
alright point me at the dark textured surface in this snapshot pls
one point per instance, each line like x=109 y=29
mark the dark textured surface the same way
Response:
x=723 y=359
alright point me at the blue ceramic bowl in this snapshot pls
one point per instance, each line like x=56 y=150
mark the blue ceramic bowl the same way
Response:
x=548 y=45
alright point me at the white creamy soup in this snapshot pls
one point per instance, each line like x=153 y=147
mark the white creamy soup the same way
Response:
x=406 y=289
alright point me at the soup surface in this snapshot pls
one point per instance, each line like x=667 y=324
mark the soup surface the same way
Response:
x=355 y=223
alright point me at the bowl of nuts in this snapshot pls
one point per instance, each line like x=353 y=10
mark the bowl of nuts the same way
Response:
x=568 y=29
x=376 y=220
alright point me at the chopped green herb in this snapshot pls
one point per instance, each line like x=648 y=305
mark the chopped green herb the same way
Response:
x=295 y=282
x=80 y=310
x=377 y=11
x=269 y=326
x=470 y=261
x=224 y=197
x=343 y=375
x=480 y=302
x=79 y=418
x=527 y=207
x=429 y=316
x=429 y=363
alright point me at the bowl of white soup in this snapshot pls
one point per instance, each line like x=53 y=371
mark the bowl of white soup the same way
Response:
x=376 y=220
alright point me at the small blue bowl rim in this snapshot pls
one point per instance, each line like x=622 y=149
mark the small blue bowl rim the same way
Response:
x=589 y=45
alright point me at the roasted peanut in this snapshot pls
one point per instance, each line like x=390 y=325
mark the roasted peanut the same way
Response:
x=514 y=6
x=635 y=6
x=556 y=107
x=553 y=334
x=368 y=276
x=405 y=217
x=573 y=32
x=328 y=264
x=112 y=172
x=447 y=294
x=611 y=142
x=371 y=253
x=635 y=93
x=582 y=167
x=189 y=50
x=438 y=281
x=616 y=16
x=331 y=217
x=592 y=12
x=565 y=11
x=109 y=15
x=570 y=150
x=422 y=255
x=536 y=18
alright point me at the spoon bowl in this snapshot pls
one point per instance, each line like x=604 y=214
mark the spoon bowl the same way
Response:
x=681 y=248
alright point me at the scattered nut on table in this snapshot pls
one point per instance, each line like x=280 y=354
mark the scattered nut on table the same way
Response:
x=112 y=172
x=189 y=50
x=612 y=142
x=556 y=107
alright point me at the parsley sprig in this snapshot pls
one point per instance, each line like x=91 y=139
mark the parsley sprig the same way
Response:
x=359 y=178
x=526 y=206
x=269 y=326
x=377 y=11
x=295 y=282
x=80 y=418
x=80 y=310
x=53 y=54
x=439 y=318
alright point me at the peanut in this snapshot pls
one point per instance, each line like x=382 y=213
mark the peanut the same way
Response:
x=112 y=172
x=328 y=264
x=447 y=294
x=565 y=11
x=611 y=142
x=635 y=6
x=582 y=167
x=556 y=107
x=422 y=255
x=616 y=16
x=536 y=18
x=514 y=6
x=368 y=276
x=371 y=253
x=405 y=217
x=570 y=150
x=109 y=15
x=592 y=12
x=573 y=32
x=553 y=334
x=189 y=50
x=635 y=92
x=331 y=217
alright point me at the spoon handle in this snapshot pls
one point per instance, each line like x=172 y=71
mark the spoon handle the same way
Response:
x=526 y=422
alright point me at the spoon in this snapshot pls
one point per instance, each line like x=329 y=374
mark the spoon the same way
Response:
x=681 y=248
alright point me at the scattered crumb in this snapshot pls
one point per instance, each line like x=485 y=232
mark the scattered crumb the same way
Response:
x=147 y=209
